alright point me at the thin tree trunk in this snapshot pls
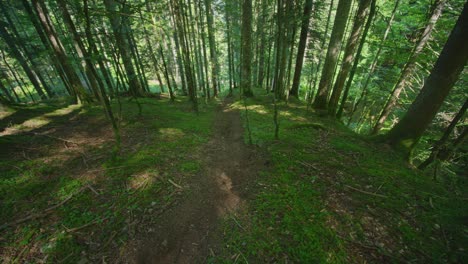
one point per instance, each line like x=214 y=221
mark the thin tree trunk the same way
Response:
x=358 y=57
x=246 y=68
x=124 y=48
x=308 y=7
x=409 y=67
x=213 y=55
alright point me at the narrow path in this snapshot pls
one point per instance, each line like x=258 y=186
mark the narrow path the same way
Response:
x=189 y=232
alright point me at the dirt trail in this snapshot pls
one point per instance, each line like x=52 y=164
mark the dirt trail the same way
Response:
x=188 y=233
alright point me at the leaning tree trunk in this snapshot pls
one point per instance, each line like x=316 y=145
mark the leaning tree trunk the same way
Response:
x=59 y=51
x=14 y=51
x=409 y=67
x=308 y=6
x=333 y=53
x=246 y=67
x=442 y=78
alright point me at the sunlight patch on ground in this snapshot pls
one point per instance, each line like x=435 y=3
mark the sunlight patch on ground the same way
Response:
x=38 y=121
x=230 y=200
x=5 y=112
x=171 y=133
x=143 y=180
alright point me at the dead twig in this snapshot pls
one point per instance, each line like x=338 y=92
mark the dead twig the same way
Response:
x=365 y=192
x=307 y=164
x=70 y=230
x=175 y=184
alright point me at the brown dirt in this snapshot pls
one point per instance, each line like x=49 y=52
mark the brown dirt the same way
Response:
x=189 y=232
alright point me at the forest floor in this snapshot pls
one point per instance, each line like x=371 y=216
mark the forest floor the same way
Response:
x=190 y=188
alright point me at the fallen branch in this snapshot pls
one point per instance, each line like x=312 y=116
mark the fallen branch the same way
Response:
x=307 y=164
x=56 y=138
x=70 y=230
x=369 y=193
x=175 y=184
x=43 y=213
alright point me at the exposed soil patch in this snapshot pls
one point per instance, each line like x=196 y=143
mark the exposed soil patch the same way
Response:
x=188 y=232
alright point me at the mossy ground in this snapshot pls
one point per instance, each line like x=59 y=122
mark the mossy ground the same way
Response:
x=328 y=195
x=332 y=196
x=52 y=160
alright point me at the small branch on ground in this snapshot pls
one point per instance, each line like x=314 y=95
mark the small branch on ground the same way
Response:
x=365 y=192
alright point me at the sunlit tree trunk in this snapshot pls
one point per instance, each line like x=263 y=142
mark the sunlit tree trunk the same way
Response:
x=333 y=53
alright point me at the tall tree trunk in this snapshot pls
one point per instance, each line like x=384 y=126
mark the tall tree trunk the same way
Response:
x=123 y=46
x=58 y=49
x=320 y=57
x=373 y=65
x=14 y=51
x=349 y=54
x=442 y=78
x=166 y=74
x=261 y=30
x=79 y=46
x=358 y=57
x=181 y=31
x=308 y=6
x=409 y=67
x=211 y=39
x=246 y=68
x=333 y=53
